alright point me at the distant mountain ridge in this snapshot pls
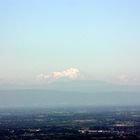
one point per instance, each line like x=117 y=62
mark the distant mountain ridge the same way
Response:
x=72 y=93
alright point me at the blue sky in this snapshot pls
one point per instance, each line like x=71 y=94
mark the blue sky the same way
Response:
x=98 y=37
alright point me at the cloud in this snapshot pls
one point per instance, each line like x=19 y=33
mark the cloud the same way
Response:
x=128 y=79
x=71 y=73
x=123 y=78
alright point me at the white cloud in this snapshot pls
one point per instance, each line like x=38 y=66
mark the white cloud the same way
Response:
x=123 y=78
x=128 y=79
x=71 y=74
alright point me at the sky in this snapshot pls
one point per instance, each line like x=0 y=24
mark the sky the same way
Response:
x=48 y=40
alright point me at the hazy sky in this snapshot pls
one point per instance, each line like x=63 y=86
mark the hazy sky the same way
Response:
x=99 y=38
